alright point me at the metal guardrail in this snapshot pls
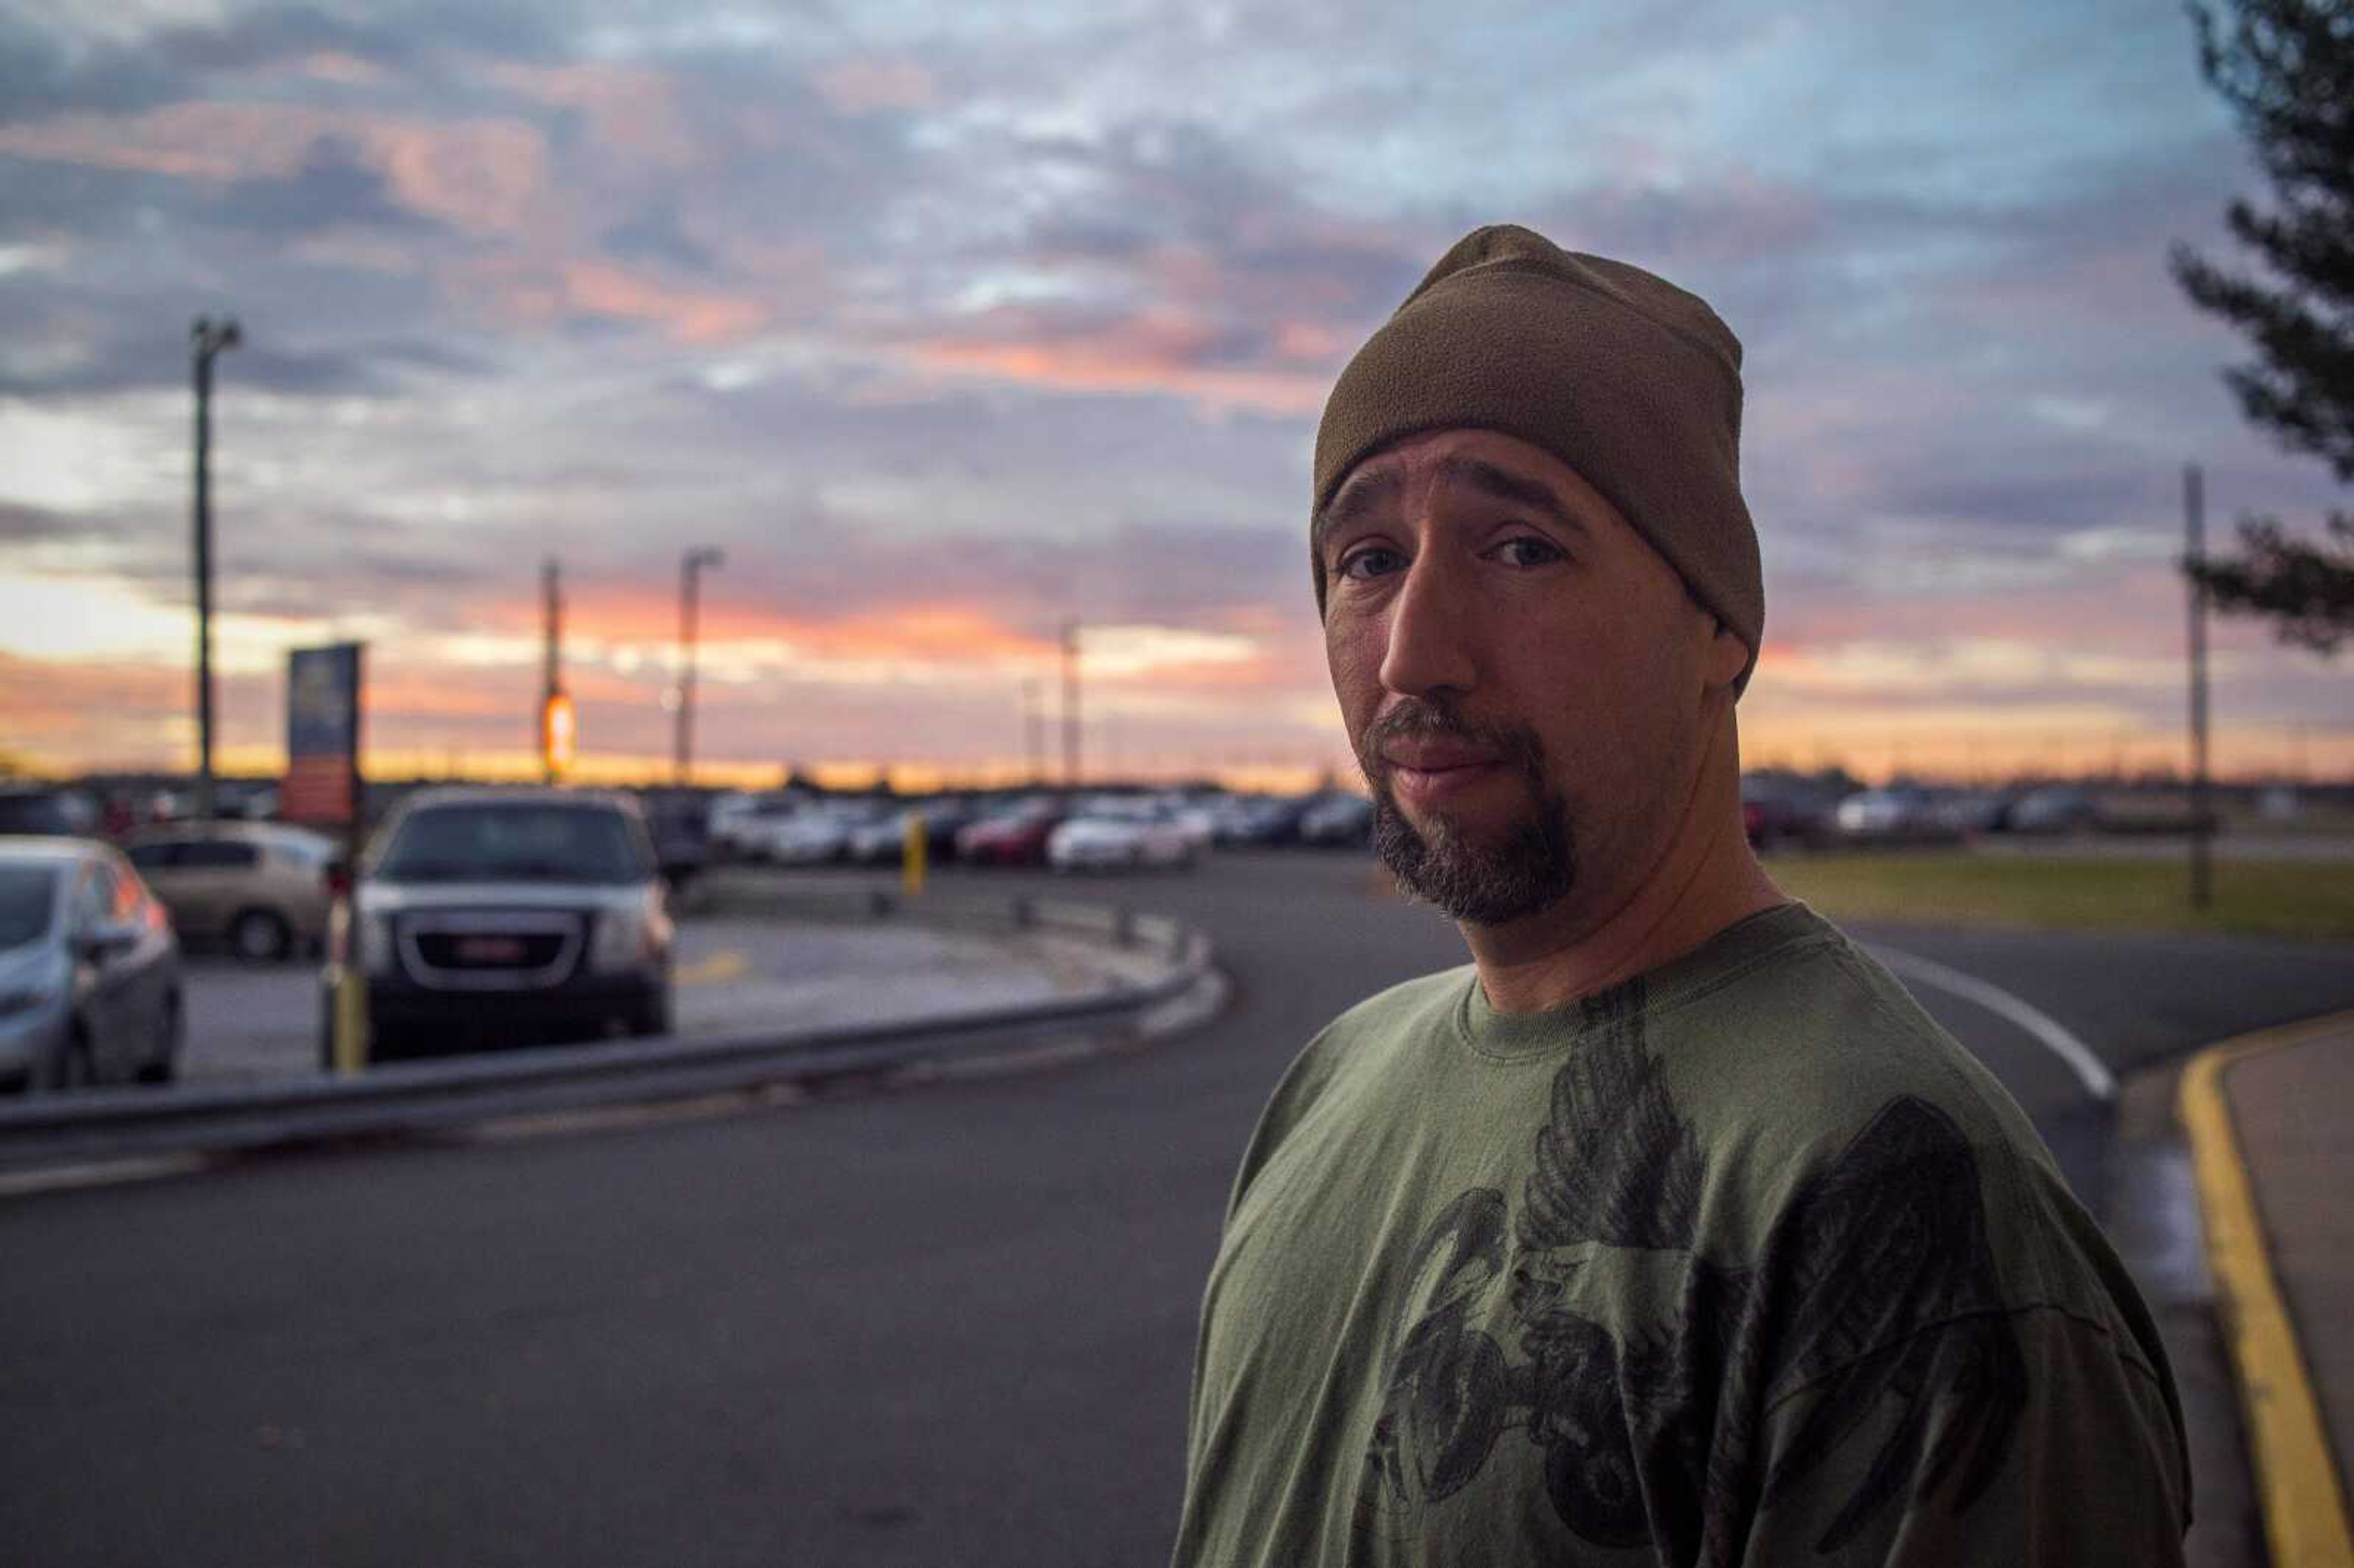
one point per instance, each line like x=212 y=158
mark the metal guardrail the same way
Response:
x=412 y=1098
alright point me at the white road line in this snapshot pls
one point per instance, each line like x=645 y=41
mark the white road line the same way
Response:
x=2096 y=1078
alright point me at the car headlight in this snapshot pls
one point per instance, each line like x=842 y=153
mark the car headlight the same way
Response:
x=22 y=1000
x=630 y=939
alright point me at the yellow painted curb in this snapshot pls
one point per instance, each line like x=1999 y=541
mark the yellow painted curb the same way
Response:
x=2296 y=1476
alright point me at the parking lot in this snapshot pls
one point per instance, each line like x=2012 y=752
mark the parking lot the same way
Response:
x=249 y=1022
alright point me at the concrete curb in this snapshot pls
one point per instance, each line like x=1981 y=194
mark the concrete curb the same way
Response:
x=413 y=1098
x=2297 y=1476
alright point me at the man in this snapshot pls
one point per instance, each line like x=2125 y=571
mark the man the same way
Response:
x=1670 y=1230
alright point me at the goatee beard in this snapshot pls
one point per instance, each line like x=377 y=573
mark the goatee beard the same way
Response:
x=1525 y=870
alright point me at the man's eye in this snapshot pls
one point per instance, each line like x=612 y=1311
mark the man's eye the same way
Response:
x=1373 y=561
x=1530 y=551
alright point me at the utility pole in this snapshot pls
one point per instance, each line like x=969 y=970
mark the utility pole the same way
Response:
x=2194 y=515
x=1033 y=729
x=689 y=566
x=554 y=718
x=206 y=341
x=1071 y=704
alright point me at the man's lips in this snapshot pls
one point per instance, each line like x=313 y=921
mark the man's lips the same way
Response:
x=1435 y=758
x=1427 y=773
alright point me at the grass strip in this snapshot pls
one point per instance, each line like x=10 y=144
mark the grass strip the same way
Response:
x=2311 y=900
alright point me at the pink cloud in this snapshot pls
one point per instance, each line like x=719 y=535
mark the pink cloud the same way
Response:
x=633 y=113
x=1157 y=350
x=864 y=86
x=484 y=175
x=696 y=316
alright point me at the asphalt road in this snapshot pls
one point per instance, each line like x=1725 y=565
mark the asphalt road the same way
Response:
x=949 y=1326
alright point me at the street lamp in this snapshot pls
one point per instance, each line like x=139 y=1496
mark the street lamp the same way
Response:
x=689 y=565
x=207 y=339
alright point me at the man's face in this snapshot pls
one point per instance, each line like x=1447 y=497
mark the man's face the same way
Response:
x=1522 y=677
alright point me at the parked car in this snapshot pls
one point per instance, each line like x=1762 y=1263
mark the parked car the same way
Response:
x=1338 y=821
x=1899 y=814
x=881 y=841
x=491 y=918
x=1976 y=811
x=1262 y=819
x=260 y=888
x=814 y=835
x=1777 y=815
x=680 y=824
x=89 y=969
x=737 y=820
x=1111 y=834
x=2055 y=809
x=1014 y=837
x=49 y=813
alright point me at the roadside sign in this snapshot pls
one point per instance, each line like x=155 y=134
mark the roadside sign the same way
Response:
x=323 y=737
x=559 y=730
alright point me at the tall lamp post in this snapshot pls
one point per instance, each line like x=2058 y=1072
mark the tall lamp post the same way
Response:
x=207 y=339
x=689 y=565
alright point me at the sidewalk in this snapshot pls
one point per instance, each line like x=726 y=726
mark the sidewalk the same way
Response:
x=2267 y=1117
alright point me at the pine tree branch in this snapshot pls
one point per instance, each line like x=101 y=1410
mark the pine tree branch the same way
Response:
x=2307 y=590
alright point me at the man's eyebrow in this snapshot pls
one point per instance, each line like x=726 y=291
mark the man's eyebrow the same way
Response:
x=1358 y=497
x=1492 y=480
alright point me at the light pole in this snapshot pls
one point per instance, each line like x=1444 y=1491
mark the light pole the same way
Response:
x=689 y=566
x=207 y=339
x=1071 y=704
x=1033 y=730
x=2194 y=523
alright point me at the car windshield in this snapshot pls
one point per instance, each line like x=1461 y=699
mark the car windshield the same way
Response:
x=514 y=844
x=28 y=900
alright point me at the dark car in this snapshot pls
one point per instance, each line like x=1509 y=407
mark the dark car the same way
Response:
x=679 y=821
x=48 y=813
x=1262 y=821
x=1777 y=815
x=485 y=919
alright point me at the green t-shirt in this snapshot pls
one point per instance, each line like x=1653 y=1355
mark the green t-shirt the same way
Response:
x=1742 y=1261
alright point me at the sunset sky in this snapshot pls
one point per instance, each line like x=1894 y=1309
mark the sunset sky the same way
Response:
x=949 y=323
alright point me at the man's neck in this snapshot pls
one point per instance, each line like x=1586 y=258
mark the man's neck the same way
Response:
x=1705 y=880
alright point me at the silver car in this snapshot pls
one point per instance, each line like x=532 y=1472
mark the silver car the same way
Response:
x=89 y=969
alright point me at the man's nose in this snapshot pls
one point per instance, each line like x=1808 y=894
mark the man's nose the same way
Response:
x=1432 y=638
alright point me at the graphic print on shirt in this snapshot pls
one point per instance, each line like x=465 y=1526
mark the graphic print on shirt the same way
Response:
x=1876 y=1304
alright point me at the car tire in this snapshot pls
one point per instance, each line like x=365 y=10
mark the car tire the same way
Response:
x=650 y=1018
x=72 y=1067
x=260 y=936
x=384 y=1043
x=164 y=1065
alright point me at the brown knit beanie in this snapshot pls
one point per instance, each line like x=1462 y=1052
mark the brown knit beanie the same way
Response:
x=1623 y=376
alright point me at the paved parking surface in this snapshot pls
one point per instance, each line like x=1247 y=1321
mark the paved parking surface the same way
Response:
x=252 y=1022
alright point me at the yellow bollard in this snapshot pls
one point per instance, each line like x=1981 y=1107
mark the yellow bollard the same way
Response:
x=911 y=861
x=351 y=1022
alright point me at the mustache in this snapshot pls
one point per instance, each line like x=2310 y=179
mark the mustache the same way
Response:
x=1416 y=718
